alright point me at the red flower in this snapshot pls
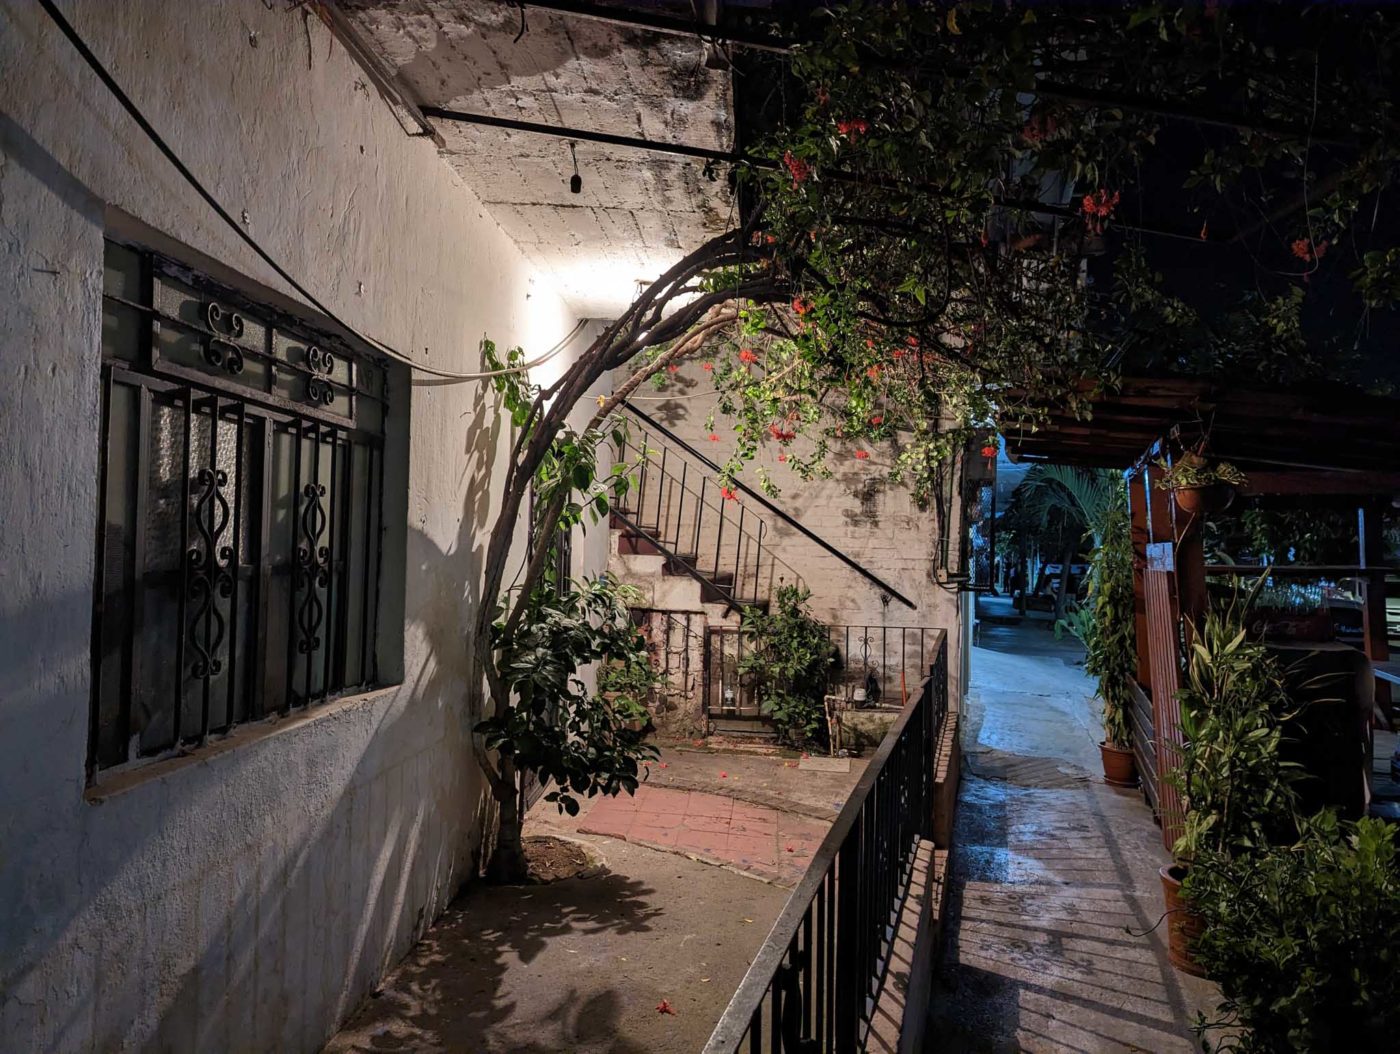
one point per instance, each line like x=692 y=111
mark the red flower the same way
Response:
x=673 y=367
x=899 y=353
x=858 y=126
x=769 y=239
x=728 y=494
x=797 y=168
x=861 y=455
x=780 y=434
x=782 y=457
x=912 y=341
x=801 y=306
x=748 y=355
x=873 y=373
x=878 y=419
x=707 y=366
x=1098 y=207
x=869 y=343
x=664 y=1007
x=1305 y=250
x=989 y=451
x=714 y=437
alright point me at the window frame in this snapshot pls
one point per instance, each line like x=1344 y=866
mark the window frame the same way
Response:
x=212 y=400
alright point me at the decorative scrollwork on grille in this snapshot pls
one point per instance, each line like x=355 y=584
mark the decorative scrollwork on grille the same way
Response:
x=209 y=569
x=219 y=351
x=319 y=391
x=313 y=568
x=319 y=360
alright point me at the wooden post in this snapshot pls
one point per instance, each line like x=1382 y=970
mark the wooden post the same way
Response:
x=1370 y=524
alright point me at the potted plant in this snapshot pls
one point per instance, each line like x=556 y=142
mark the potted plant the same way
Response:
x=1199 y=485
x=1110 y=645
x=1235 y=787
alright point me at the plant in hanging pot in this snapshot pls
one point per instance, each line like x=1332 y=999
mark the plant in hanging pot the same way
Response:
x=1236 y=789
x=1199 y=485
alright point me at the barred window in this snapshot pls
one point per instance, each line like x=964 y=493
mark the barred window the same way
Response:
x=242 y=512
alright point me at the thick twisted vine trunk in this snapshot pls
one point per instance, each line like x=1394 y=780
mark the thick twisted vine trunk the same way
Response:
x=673 y=311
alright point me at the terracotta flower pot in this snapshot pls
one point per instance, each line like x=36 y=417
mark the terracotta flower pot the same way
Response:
x=1183 y=924
x=1119 y=766
x=1215 y=497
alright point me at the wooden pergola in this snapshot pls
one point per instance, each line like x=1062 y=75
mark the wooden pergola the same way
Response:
x=1325 y=443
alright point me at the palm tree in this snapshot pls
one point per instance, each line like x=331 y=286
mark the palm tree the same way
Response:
x=1085 y=495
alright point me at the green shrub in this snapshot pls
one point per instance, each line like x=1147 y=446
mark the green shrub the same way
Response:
x=790 y=657
x=1304 y=940
x=1110 y=638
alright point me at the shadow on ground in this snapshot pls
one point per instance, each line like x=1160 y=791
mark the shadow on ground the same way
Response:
x=450 y=993
x=578 y=965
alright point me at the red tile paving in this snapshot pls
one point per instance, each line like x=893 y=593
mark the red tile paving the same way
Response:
x=766 y=842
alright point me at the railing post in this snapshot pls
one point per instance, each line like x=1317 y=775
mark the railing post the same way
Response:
x=850 y=992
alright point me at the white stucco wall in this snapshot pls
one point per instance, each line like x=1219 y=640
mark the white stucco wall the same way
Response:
x=248 y=898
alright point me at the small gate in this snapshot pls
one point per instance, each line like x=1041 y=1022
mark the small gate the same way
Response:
x=729 y=694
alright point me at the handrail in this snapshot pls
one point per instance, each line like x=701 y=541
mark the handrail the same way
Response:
x=642 y=532
x=758 y=496
x=768 y=975
x=699 y=498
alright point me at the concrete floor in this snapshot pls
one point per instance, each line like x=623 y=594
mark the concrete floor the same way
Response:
x=1054 y=875
x=582 y=965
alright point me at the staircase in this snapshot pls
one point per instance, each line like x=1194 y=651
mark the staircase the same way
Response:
x=682 y=519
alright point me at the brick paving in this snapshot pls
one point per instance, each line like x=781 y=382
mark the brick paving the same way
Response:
x=769 y=843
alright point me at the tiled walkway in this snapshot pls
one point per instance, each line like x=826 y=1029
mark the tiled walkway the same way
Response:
x=769 y=843
x=1054 y=883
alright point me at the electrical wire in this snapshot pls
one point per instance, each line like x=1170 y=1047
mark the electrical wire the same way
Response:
x=95 y=64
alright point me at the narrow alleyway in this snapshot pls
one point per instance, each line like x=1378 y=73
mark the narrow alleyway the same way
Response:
x=1054 y=875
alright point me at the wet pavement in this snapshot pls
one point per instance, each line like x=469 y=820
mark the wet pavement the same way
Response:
x=1054 y=875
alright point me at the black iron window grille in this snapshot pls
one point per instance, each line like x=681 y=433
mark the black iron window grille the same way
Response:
x=242 y=512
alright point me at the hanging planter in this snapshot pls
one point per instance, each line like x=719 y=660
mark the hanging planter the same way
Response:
x=1200 y=486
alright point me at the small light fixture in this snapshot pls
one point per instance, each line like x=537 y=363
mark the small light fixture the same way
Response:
x=576 y=180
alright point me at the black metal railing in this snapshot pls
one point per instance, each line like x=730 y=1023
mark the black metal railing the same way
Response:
x=814 y=982
x=691 y=520
x=655 y=428
x=880 y=665
x=871 y=666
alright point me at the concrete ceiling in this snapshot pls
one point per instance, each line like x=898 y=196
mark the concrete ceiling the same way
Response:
x=638 y=211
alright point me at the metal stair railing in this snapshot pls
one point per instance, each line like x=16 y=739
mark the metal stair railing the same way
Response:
x=701 y=533
x=653 y=428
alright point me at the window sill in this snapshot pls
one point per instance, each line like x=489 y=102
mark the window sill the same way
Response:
x=115 y=783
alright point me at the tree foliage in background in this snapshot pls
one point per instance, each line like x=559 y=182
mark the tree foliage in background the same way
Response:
x=790 y=659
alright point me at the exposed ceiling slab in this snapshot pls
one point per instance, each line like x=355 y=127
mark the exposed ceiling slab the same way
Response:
x=637 y=211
